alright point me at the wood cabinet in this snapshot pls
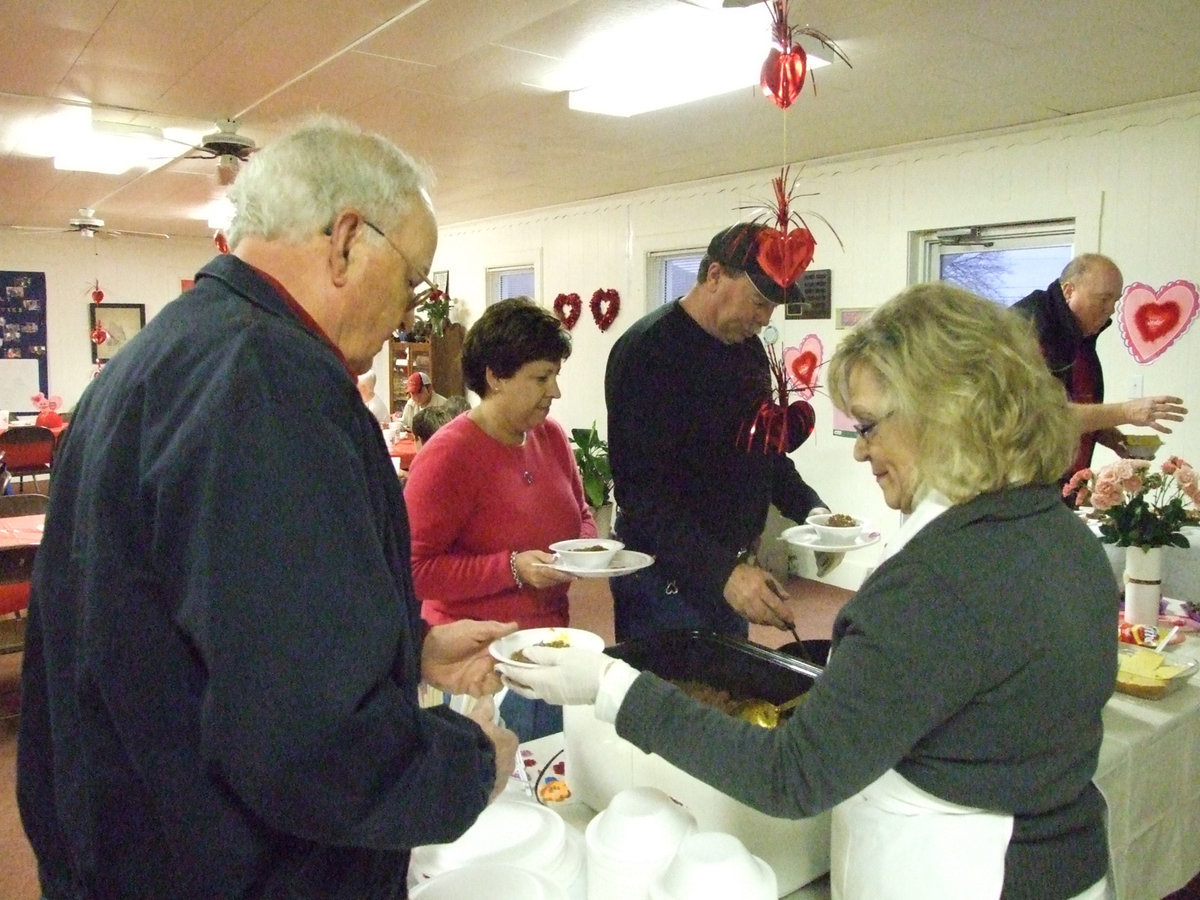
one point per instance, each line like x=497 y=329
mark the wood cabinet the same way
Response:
x=439 y=357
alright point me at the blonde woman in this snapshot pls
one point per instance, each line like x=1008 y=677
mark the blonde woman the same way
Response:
x=956 y=728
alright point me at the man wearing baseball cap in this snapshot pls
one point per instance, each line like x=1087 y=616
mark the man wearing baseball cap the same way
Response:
x=420 y=395
x=683 y=387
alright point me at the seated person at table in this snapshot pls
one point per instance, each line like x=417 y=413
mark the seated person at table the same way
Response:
x=427 y=421
x=420 y=395
x=496 y=486
x=956 y=728
x=366 y=390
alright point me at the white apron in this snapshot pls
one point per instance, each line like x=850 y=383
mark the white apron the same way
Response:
x=894 y=841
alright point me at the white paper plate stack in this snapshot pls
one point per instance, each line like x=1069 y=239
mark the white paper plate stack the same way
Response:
x=711 y=865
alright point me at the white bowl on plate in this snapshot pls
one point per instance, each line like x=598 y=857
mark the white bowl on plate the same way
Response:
x=711 y=865
x=586 y=553
x=504 y=648
x=835 y=535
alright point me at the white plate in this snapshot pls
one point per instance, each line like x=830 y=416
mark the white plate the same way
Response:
x=504 y=648
x=806 y=536
x=624 y=562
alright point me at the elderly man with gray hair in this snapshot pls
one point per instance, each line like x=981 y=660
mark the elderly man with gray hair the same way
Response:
x=219 y=691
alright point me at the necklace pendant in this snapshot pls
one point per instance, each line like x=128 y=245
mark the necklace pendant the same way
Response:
x=527 y=476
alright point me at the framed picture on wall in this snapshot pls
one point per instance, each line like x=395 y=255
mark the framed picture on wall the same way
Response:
x=112 y=327
x=849 y=316
x=441 y=280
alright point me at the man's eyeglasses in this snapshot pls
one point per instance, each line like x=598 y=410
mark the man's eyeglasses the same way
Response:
x=430 y=287
x=866 y=430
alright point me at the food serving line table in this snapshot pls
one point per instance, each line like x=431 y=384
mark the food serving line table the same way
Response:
x=1149 y=772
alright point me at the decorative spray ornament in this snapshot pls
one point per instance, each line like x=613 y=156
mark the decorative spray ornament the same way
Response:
x=97 y=294
x=784 y=69
x=605 y=304
x=568 y=307
x=780 y=425
x=786 y=247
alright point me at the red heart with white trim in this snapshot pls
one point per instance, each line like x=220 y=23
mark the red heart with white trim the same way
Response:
x=1152 y=320
x=802 y=364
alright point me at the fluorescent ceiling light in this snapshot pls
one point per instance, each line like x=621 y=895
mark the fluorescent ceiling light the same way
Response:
x=674 y=56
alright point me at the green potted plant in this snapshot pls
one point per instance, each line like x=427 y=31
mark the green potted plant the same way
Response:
x=591 y=455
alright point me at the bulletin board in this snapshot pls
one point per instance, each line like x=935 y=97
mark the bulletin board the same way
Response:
x=23 y=365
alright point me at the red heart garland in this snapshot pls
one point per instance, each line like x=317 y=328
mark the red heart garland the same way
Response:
x=568 y=307
x=783 y=73
x=606 y=315
x=785 y=258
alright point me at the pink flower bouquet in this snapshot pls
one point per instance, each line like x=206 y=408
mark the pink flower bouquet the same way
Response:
x=1137 y=507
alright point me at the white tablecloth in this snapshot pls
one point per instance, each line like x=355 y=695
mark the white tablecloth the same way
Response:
x=1149 y=772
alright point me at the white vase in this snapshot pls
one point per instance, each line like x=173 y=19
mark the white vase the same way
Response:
x=1143 y=584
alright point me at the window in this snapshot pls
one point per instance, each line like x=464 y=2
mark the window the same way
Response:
x=671 y=275
x=1000 y=262
x=515 y=281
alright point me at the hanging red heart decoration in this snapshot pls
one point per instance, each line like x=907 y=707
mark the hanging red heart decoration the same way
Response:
x=785 y=257
x=782 y=75
x=568 y=307
x=605 y=304
x=99 y=335
x=97 y=294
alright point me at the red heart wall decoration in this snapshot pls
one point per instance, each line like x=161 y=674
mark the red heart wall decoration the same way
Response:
x=802 y=364
x=783 y=73
x=1152 y=320
x=785 y=258
x=568 y=307
x=605 y=304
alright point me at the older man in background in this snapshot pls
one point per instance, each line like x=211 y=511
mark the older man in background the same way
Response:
x=1068 y=317
x=421 y=395
x=220 y=681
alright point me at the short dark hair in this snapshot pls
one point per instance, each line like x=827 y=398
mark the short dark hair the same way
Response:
x=428 y=420
x=508 y=335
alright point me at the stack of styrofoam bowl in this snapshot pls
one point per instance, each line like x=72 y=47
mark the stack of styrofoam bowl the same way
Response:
x=512 y=832
x=632 y=841
x=710 y=865
x=496 y=881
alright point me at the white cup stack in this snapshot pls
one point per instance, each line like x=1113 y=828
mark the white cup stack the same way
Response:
x=514 y=833
x=711 y=865
x=632 y=841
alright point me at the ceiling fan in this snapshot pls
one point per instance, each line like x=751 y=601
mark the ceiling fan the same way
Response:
x=89 y=225
x=227 y=147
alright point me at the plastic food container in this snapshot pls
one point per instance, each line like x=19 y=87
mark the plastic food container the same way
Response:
x=603 y=764
x=1155 y=688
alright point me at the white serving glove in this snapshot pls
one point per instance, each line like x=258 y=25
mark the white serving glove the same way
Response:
x=569 y=676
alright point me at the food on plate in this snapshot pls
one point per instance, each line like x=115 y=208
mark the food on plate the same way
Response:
x=841 y=520
x=595 y=548
x=1145 y=673
x=560 y=641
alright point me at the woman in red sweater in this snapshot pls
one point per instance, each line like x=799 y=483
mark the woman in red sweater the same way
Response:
x=493 y=488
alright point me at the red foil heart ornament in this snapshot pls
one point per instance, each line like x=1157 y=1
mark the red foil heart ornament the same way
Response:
x=568 y=307
x=605 y=304
x=784 y=257
x=99 y=335
x=1152 y=320
x=782 y=76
